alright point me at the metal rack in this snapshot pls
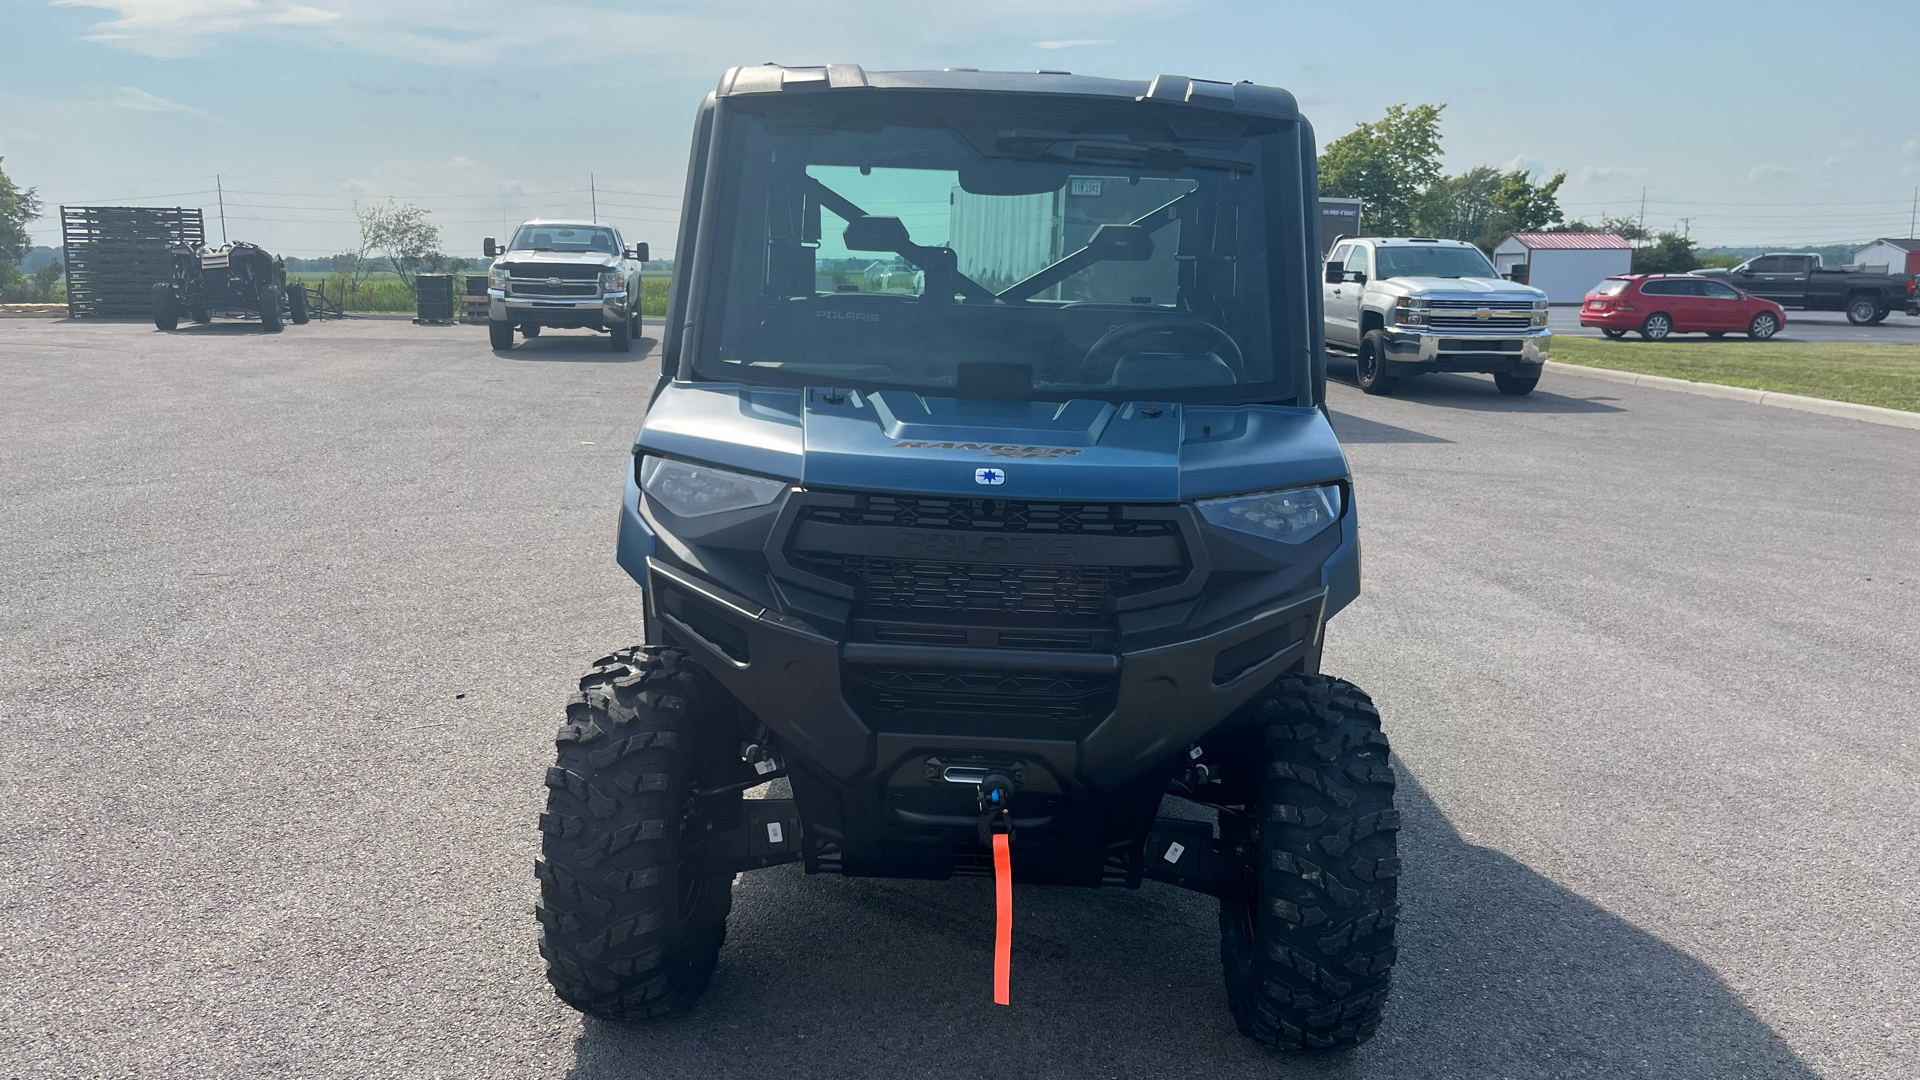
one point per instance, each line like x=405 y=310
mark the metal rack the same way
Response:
x=116 y=254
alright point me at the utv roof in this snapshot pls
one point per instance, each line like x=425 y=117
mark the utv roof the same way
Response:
x=1240 y=97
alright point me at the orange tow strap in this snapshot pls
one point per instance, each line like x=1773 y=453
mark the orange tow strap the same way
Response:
x=1003 y=917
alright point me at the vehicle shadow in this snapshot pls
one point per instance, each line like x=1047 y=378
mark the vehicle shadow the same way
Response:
x=1501 y=972
x=1477 y=393
x=1354 y=429
x=236 y=326
x=577 y=348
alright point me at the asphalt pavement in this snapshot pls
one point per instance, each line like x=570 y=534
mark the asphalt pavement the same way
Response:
x=1897 y=329
x=287 y=623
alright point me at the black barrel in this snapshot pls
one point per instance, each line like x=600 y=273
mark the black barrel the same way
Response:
x=434 y=297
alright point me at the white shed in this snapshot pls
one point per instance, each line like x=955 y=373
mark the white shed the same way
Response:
x=1564 y=265
x=1898 y=256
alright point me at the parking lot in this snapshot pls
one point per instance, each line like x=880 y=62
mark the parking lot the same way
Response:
x=287 y=622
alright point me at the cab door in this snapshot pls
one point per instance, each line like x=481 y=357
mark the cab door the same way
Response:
x=1342 y=301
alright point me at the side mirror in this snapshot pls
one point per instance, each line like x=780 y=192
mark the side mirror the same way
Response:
x=489 y=248
x=1359 y=277
x=1336 y=274
x=641 y=253
x=869 y=233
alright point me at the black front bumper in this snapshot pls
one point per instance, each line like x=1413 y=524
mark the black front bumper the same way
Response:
x=878 y=802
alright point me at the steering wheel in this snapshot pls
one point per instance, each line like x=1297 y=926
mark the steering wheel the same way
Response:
x=1120 y=341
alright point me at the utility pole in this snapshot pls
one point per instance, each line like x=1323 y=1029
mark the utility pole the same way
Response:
x=1913 y=215
x=1643 y=214
x=593 y=192
x=221 y=191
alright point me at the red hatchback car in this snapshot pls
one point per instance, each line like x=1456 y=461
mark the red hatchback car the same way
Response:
x=1660 y=304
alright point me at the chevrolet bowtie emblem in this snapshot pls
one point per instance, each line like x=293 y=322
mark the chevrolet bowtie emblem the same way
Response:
x=556 y=281
x=1483 y=313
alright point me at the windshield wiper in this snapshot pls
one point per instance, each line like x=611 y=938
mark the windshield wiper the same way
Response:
x=1059 y=146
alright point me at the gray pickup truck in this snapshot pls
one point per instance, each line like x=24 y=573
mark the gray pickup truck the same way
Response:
x=1802 y=281
x=564 y=274
x=1411 y=305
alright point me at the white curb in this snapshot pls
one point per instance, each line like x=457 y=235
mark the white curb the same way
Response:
x=1872 y=414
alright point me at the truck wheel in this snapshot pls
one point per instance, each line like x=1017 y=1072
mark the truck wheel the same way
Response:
x=530 y=330
x=297 y=308
x=1370 y=364
x=1515 y=385
x=1658 y=326
x=1861 y=309
x=1613 y=333
x=201 y=315
x=270 y=300
x=621 y=337
x=1879 y=316
x=631 y=929
x=165 y=315
x=500 y=335
x=1309 y=955
x=1763 y=326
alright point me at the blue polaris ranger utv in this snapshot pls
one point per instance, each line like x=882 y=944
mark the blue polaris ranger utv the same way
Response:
x=988 y=497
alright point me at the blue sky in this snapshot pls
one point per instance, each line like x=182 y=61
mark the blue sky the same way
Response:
x=1763 y=123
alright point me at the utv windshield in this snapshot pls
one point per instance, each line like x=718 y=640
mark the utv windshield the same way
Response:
x=1437 y=261
x=565 y=238
x=1035 y=257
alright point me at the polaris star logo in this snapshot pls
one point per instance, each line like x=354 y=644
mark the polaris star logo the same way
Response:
x=990 y=477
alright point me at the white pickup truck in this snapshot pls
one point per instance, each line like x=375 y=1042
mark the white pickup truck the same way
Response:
x=1410 y=305
x=564 y=274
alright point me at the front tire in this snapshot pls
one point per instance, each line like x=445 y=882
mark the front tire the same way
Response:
x=1309 y=956
x=297 y=308
x=631 y=929
x=1657 y=327
x=1861 y=310
x=620 y=338
x=1514 y=385
x=1879 y=316
x=1763 y=326
x=1370 y=364
x=165 y=315
x=500 y=335
x=270 y=318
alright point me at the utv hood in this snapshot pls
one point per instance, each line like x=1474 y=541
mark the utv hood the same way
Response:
x=906 y=443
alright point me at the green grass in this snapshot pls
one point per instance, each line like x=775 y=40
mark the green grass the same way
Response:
x=1872 y=374
x=386 y=292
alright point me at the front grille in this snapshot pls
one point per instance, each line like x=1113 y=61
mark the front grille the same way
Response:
x=517 y=287
x=990 y=515
x=899 y=585
x=890 y=696
x=1464 y=315
x=563 y=271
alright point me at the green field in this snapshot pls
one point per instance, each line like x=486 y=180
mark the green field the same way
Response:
x=386 y=292
x=1884 y=375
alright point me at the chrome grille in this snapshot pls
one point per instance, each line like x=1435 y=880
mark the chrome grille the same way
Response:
x=1502 y=315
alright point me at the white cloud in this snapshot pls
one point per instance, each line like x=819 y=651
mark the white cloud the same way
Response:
x=174 y=28
x=1766 y=174
x=461 y=161
x=132 y=97
x=1836 y=161
x=1521 y=161
x=1601 y=174
x=1912 y=148
x=1072 y=43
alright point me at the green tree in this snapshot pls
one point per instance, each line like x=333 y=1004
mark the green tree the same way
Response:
x=1458 y=207
x=1520 y=205
x=1670 y=253
x=17 y=207
x=1387 y=165
x=400 y=235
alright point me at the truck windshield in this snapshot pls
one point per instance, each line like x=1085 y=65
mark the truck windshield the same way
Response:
x=887 y=251
x=565 y=238
x=1436 y=261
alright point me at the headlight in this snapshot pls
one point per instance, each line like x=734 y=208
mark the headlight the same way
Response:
x=1293 y=516
x=497 y=277
x=698 y=490
x=613 y=281
x=1411 y=311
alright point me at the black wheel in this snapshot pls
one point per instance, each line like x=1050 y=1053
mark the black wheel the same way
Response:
x=165 y=315
x=297 y=309
x=270 y=301
x=1763 y=326
x=1861 y=310
x=500 y=334
x=1309 y=956
x=1614 y=333
x=531 y=330
x=1514 y=384
x=1658 y=326
x=620 y=339
x=1370 y=364
x=630 y=928
x=201 y=315
x=1716 y=333
x=1879 y=316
